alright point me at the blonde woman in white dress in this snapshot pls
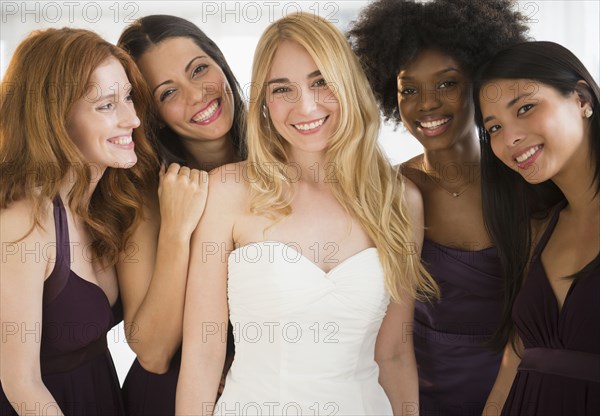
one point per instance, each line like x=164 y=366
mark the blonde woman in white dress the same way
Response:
x=311 y=247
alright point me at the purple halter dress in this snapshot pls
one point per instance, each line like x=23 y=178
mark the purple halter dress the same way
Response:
x=75 y=361
x=559 y=372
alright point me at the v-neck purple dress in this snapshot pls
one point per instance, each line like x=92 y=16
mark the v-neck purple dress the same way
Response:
x=456 y=368
x=559 y=372
x=75 y=361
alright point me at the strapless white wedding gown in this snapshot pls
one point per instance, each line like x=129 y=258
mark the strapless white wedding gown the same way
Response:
x=304 y=339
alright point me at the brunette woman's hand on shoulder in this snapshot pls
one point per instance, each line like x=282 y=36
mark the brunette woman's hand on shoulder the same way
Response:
x=182 y=196
x=152 y=278
x=206 y=307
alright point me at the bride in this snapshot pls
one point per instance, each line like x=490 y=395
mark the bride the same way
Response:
x=304 y=245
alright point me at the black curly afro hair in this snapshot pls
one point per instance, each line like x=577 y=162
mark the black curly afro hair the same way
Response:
x=388 y=34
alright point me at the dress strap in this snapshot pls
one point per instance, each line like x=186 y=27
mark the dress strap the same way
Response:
x=549 y=229
x=59 y=276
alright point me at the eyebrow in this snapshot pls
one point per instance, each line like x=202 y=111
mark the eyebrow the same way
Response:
x=104 y=97
x=441 y=72
x=112 y=96
x=286 y=80
x=508 y=105
x=186 y=69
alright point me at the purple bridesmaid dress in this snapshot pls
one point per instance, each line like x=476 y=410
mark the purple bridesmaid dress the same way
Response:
x=456 y=369
x=559 y=372
x=75 y=361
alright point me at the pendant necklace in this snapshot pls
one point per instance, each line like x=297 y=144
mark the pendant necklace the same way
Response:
x=438 y=182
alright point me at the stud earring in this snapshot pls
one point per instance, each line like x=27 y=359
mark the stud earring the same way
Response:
x=588 y=112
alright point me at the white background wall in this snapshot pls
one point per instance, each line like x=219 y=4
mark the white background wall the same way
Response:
x=236 y=25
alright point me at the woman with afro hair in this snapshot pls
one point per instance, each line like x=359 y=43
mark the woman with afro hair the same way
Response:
x=420 y=58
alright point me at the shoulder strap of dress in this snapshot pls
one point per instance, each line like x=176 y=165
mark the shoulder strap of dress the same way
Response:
x=63 y=245
x=60 y=274
x=549 y=229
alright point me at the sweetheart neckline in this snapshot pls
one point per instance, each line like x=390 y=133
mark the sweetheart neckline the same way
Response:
x=302 y=256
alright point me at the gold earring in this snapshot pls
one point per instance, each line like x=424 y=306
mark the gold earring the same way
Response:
x=588 y=112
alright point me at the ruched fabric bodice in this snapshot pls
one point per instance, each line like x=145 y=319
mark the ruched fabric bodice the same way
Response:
x=305 y=339
x=456 y=368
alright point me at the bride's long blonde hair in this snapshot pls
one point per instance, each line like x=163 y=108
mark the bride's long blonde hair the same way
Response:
x=365 y=183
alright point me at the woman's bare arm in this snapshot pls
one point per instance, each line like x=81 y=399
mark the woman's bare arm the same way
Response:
x=23 y=268
x=153 y=270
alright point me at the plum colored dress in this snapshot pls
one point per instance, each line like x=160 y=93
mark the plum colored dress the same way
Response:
x=76 y=364
x=456 y=369
x=559 y=372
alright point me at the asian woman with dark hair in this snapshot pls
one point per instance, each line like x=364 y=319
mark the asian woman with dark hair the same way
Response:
x=539 y=121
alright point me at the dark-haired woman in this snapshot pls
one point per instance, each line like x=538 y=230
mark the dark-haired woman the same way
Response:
x=199 y=104
x=420 y=59
x=539 y=117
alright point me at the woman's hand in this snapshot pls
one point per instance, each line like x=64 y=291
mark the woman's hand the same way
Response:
x=182 y=196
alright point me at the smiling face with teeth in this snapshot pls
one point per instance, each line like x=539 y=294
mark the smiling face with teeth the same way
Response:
x=191 y=91
x=533 y=128
x=101 y=123
x=434 y=99
x=301 y=106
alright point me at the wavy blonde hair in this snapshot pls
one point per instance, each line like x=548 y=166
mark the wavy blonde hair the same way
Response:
x=49 y=71
x=366 y=185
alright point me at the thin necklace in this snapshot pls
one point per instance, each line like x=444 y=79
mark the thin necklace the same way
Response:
x=438 y=182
